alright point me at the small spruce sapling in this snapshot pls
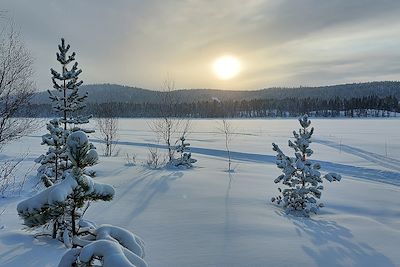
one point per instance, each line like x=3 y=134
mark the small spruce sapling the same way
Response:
x=300 y=175
x=185 y=158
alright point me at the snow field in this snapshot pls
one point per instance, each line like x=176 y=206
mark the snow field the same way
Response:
x=208 y=217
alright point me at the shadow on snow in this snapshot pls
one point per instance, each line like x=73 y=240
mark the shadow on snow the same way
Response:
x=389 y=177
x=334 y=245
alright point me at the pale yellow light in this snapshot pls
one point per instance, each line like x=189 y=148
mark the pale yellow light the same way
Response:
x=226 y=67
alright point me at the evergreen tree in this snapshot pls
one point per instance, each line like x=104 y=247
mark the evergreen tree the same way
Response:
x=61 y=204
x=300 y=175
x=67 y=103
x=185 y=158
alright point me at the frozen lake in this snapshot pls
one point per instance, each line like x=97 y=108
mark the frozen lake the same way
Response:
x=207 y=217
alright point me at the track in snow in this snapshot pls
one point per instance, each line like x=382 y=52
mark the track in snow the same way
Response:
x=378 y=159
x=389 y=177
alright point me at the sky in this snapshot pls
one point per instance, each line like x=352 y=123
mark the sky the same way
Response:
x=277 y=42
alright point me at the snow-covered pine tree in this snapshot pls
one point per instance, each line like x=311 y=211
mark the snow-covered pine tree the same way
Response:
x=185 y=158
x=60 y=205
x=300 y=175
x=68 y=102
x=52 y=163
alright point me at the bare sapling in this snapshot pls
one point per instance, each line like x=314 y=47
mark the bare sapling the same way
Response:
x=225 y=127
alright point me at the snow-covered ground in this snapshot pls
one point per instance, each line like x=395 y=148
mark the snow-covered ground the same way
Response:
x=208 y=217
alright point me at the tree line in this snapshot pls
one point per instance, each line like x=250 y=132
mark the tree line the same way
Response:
x=371 y=106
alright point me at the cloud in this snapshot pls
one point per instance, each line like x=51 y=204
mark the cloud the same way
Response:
x=280 y=42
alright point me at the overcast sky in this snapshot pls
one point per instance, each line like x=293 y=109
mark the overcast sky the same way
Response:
x=278 y=42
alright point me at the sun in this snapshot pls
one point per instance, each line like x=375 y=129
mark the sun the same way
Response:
x=226 y=67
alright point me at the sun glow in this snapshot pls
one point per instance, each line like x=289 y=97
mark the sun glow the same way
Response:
x=226 y=67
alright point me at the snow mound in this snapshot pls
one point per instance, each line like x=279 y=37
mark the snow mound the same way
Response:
x=122 y=236
x=112 y=245
x=110 y=253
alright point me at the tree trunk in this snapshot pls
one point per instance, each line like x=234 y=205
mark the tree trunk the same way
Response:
x=65 y=103
x=56 y=176
x=73 y=221
x=54 y=235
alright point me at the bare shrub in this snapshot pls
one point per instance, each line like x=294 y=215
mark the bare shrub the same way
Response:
x=16 y=84
x=16 y=90
x=169 y=127
x=107 y=123
x=108 y=130
x=130 y=159
x=154 y=158
x=10 y=184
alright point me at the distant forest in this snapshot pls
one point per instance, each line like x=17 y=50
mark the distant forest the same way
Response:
x=369 y=106
x=107 y=93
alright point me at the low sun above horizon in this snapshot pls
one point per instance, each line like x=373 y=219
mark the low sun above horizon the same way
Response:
x=226 y=67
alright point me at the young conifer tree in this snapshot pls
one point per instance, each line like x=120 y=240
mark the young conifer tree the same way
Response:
x=60 y=206
x=185 y=158
x=68 y=103
x=300 y=175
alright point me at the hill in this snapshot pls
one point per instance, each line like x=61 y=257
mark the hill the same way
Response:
x=102 y=93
